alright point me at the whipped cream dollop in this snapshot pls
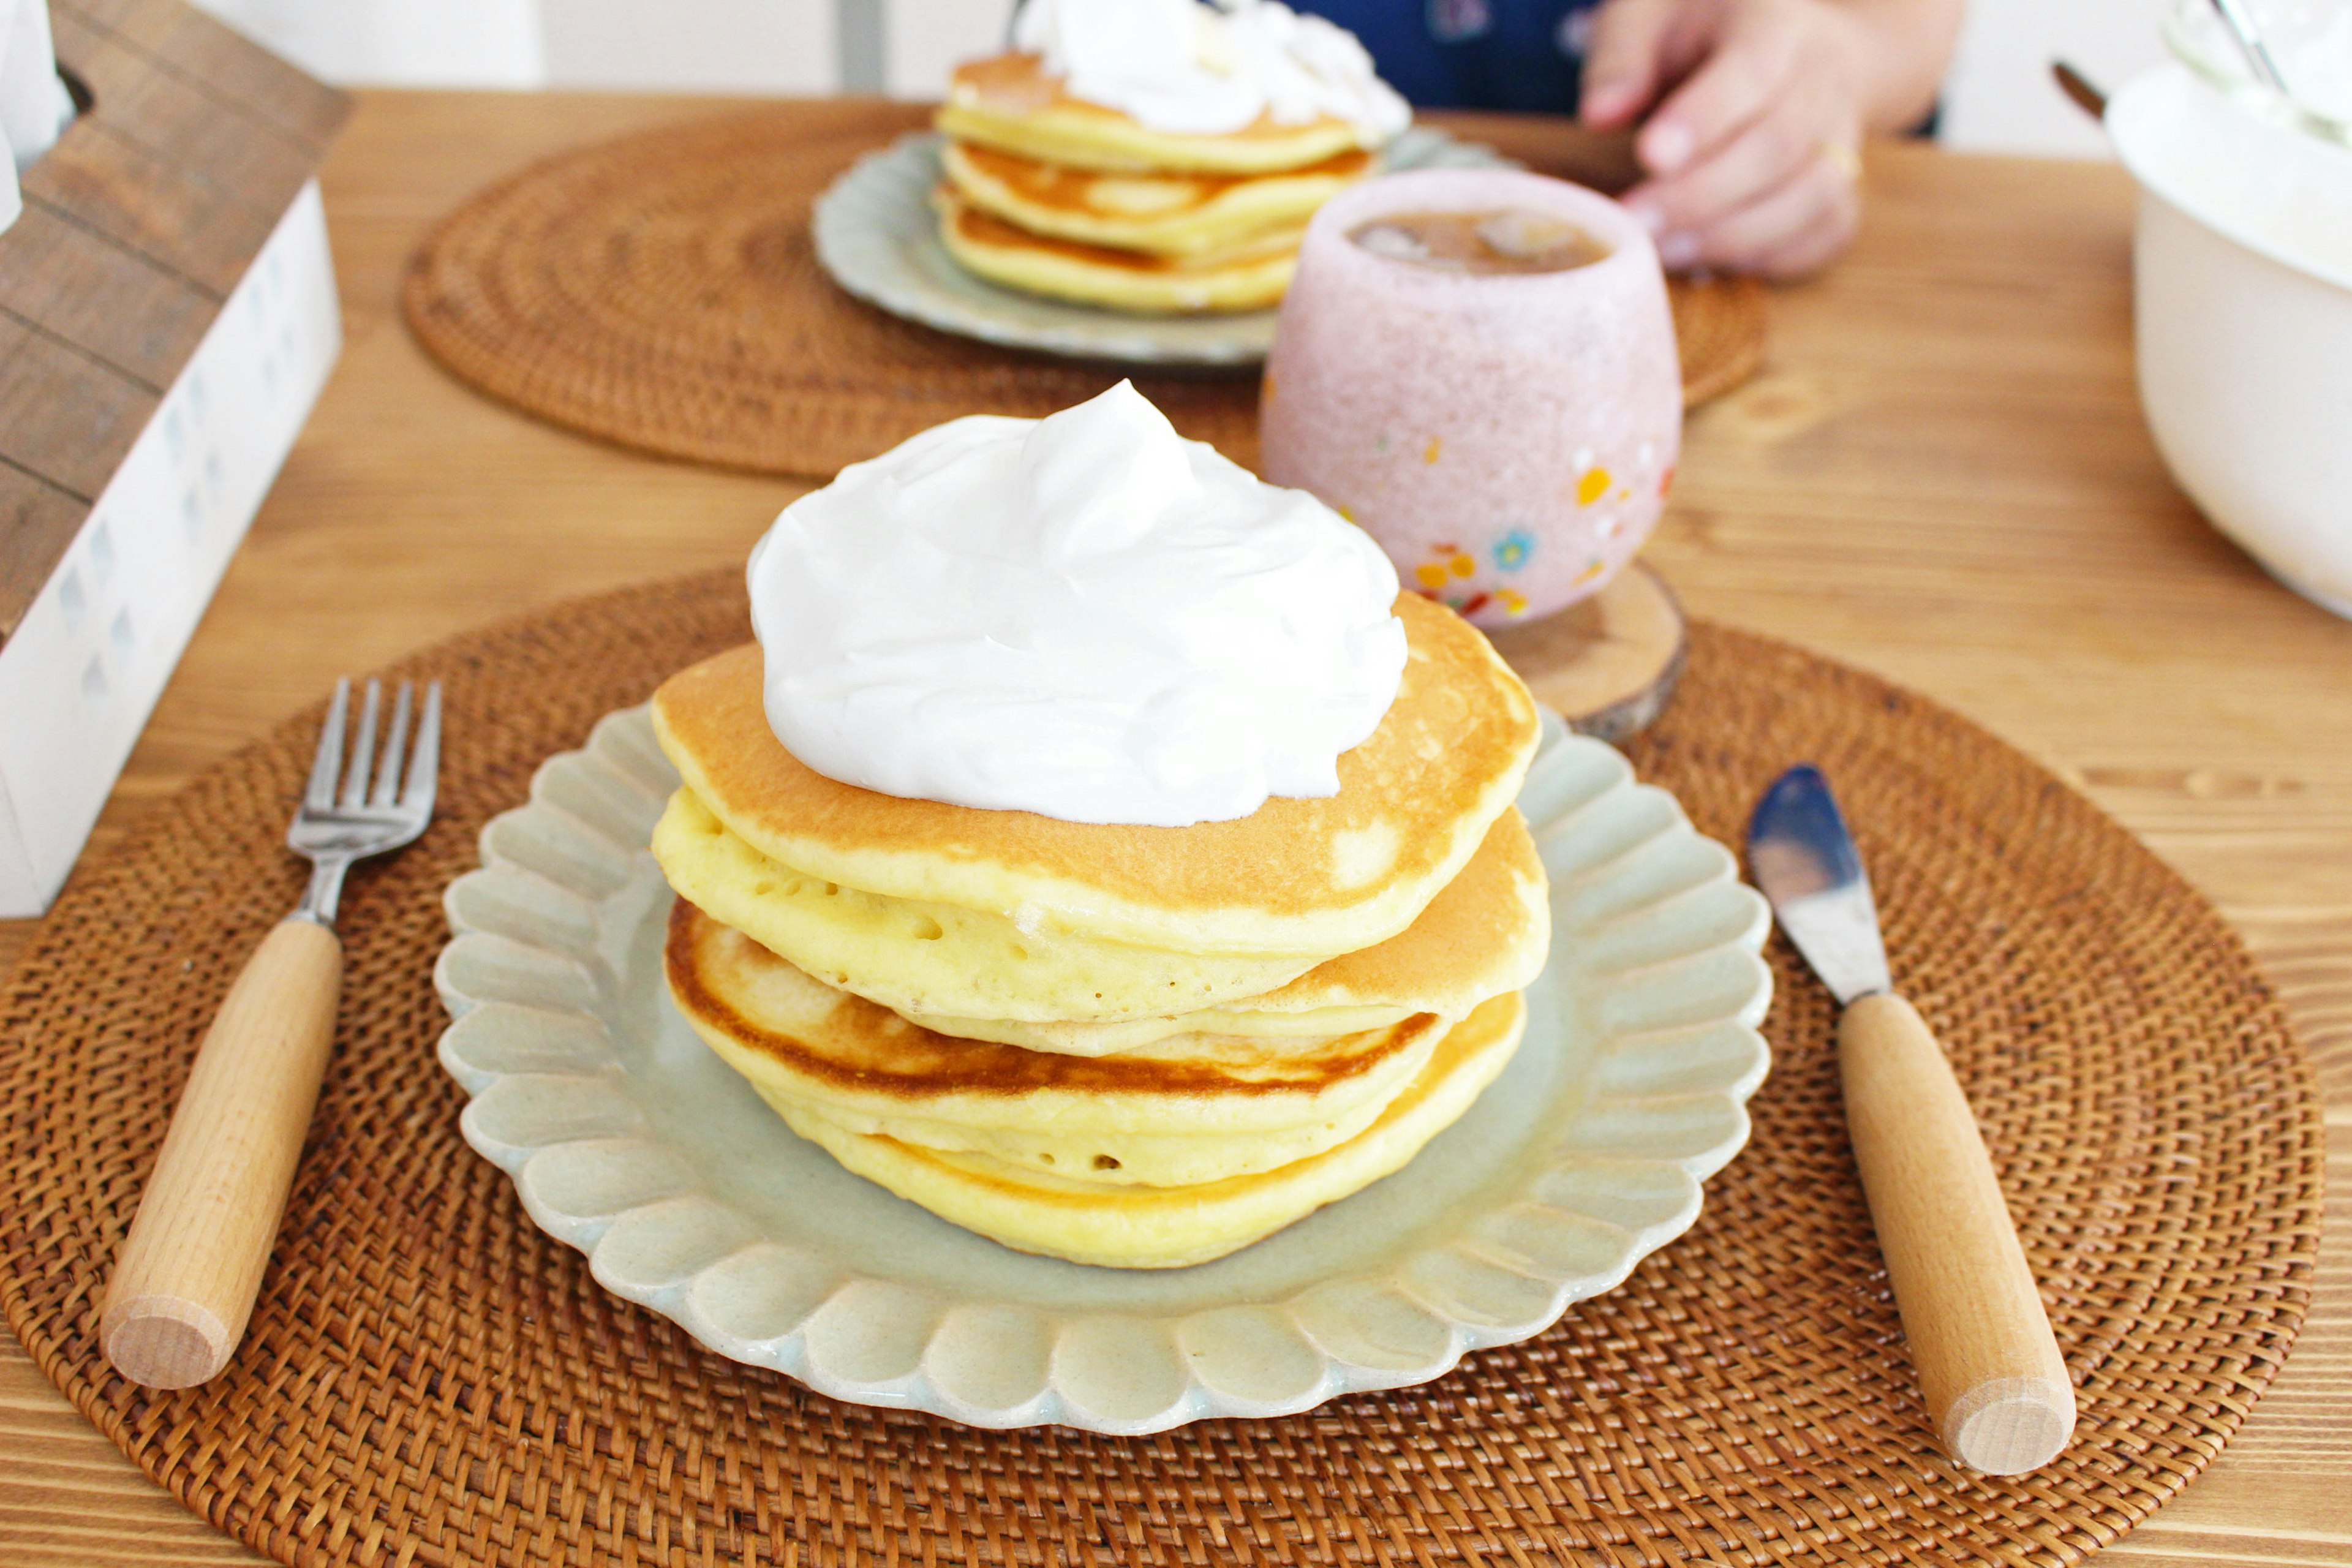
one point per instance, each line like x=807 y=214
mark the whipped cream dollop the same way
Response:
x=1086 y=615
x=1180 y=66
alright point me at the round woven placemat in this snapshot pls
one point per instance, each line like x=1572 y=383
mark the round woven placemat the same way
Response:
x=429 y=1380
x=661 y=290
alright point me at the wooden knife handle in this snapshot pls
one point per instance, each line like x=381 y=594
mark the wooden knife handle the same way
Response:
x=184 y=1282
x=1995 y=1384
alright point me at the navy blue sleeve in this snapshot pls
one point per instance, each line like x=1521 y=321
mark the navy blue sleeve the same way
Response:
x=1472 y=54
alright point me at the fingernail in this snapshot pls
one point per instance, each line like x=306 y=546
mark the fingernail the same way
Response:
x=1652 y=217
x=1678 y=250
x=1668 y=146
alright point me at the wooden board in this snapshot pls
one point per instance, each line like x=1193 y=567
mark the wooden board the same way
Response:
x=1608 y=663
x=136 y=226
x=1942 y=475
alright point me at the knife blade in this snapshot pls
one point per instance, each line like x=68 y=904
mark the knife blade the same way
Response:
x=1806 y=864
x=1988 y=1364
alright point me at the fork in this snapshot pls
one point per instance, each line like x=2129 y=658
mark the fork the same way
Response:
x=185 y=1279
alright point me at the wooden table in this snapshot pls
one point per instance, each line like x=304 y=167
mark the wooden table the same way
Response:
x=1942 y=475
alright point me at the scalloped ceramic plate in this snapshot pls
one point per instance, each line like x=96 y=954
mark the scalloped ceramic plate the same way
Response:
x=877 y=235
x=629 y=1139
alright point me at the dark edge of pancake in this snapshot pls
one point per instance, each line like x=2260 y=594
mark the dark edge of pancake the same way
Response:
x=985 y=1067
x=1344 y=165
x=991 y=230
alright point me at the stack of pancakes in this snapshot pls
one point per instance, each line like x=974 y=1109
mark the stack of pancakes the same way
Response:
x=1052 y=195
x=1140 y=1047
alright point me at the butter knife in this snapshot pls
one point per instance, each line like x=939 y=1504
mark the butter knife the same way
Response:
x=1988 y=1367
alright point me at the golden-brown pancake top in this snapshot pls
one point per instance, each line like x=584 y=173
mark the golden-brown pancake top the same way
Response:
x=1018 y=83
x=1326 y=875
x=863 y=1046
x=1011 y=101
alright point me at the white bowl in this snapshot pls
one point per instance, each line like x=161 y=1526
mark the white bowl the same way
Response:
x=2242 y=299
x=2310 y=41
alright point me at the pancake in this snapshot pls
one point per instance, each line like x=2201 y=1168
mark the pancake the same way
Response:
x=1197 y=1110
x=1322 y=876
x=1167 y=1227
x=1250 y=277
x=1485 y=932
x=1008 y=102
x=918 y=956
x=1162 y=215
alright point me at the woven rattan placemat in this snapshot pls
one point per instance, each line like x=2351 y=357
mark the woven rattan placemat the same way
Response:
x=429 y=1380
x=660 y=290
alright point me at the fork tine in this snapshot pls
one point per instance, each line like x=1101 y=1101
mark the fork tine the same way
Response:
x=355 y=783
x=395 y=741
x=424 y=763
x=329 y=762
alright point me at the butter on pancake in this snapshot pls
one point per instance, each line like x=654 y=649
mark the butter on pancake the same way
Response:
x=1090 y=1221
x=1175 y=215
x=1011 y=102
x=1324 y=876
x=1250 y=276
x=1487 y=931
x=1206 y=1110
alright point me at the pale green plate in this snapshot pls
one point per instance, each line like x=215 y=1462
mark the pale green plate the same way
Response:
x=628 y=1139
x=877 y=235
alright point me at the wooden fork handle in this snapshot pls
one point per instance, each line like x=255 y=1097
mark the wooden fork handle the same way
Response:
x=1988 y=1366
x=184 y=1282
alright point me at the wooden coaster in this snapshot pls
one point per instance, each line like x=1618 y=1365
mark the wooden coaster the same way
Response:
x=1608 y=663
x=1720 y=325
x=661 y=290
x=430 y=1380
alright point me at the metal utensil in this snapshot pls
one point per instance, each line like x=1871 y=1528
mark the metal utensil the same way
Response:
x=2240 y=23
x=2078 y=88
x=1988 y=1367
x=184 y=1282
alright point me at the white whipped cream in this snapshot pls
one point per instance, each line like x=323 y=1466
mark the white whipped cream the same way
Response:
x=1086 y=615
x=1178 y=65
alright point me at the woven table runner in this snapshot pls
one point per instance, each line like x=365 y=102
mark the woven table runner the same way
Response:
x=429 y=1380
x=661 y=291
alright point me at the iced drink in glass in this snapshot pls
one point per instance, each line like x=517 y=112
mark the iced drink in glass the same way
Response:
x=1477 y=367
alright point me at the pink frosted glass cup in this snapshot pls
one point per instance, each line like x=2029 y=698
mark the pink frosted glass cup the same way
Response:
x=1508 y=437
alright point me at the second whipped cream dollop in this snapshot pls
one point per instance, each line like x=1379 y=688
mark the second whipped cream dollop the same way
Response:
x=1086 y=615
x=1178 y=65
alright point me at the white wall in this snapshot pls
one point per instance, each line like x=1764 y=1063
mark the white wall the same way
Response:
x=410 y=43
x=1999 y=96
x=925 y=39
x=705 y=45
x=713 y=45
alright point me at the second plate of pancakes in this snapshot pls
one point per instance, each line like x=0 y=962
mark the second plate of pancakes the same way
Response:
x=628 y=1137
x=878 y=235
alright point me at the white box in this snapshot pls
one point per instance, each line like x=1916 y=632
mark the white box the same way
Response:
x=83 y=668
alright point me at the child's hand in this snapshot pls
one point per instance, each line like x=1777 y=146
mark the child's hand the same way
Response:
x=1760 y=106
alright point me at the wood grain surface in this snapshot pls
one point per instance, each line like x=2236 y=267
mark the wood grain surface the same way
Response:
x=1990 y=1373
x=183 y=1283
x=1942 y=475
x=136 y=226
